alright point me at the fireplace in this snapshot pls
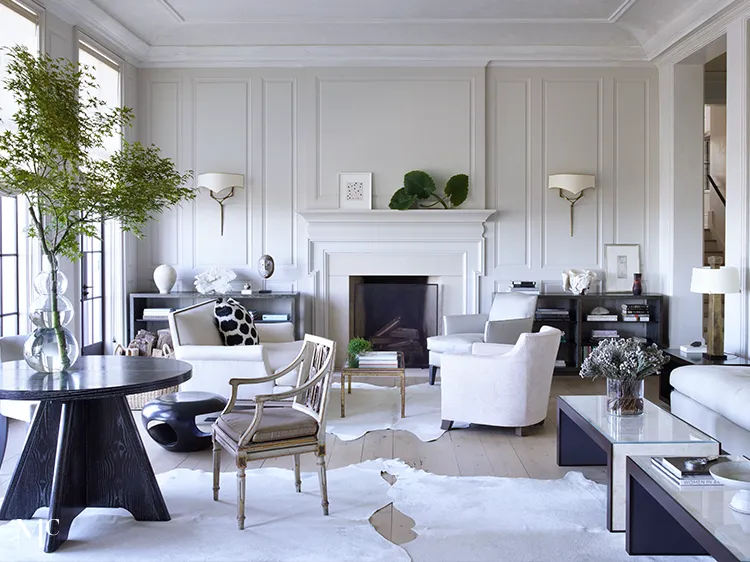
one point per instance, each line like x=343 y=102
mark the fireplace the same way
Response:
x=395 y=313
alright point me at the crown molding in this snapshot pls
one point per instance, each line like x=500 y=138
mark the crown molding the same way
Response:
x=383 y=55
x=621 y=10
x=695 y=29
x=96 y=22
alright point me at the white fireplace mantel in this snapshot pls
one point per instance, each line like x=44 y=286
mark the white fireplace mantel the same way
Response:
x=446 y=245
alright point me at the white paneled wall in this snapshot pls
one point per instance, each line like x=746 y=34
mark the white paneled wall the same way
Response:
x=291 y=131
x=564 y=120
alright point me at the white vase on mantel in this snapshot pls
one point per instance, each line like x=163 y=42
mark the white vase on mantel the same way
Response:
x=165 y=276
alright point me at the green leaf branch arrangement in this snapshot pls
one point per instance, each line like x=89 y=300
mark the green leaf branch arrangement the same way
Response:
x=355 y=347
x=419 y=188
x=54 y=157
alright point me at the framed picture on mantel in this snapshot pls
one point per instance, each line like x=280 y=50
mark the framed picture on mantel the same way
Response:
x=621 y=261
x=355 y=190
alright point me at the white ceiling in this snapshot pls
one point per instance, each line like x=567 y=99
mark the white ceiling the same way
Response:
x=164 y=32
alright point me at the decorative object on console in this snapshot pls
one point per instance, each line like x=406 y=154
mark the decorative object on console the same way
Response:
x=624 y=363
x=214 y=280
x=714 y=281
x=621 y=261
x=131 y=185
x=571 y=188
x=236 y=325
x=266 y=267
x=247 y=288
x=355 y=190
x=165 y=276
x=637 y=286
x=419 y=185
x=355 y=347
x=219 y=182
x=577 y=281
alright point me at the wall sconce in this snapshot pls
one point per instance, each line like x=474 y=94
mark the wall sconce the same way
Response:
x=571 y=188
x=217 y=182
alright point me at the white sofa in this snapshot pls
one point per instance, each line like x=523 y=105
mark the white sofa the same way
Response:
x=716 y=400
x=197 y=340
x=501 y=385
x=511 y=314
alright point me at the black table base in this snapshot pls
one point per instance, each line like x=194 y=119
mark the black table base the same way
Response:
x=79 y=454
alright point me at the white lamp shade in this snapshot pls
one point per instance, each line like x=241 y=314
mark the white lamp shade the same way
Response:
x=575 y=183
x=217 y=181
x=715 y=281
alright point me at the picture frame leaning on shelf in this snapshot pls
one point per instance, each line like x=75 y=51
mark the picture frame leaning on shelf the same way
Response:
x=621 y=261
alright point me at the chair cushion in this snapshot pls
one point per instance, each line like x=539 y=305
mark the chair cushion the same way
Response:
x=454 y=343
x=506 y=306
x=235 y=323
x=725 y=390
x=277 y=424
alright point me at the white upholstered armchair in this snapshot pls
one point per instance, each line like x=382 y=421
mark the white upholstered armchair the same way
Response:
x=511 y=315
x=500 y=385
x=197 y=340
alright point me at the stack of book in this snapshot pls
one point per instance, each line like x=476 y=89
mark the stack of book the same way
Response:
x=528 y=287
x=635 y=313
x=156 y=313
x=678 y=472
x=601 y=317
x=604 y=334
x=378 y=360
x=552 y=314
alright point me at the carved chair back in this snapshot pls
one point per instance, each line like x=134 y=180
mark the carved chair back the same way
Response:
x=318 y=358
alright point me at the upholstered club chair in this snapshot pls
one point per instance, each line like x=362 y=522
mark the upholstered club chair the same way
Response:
x=11 y=349
x=266 y=428
x=511 y=315
x=196 y=340
x=500 y=385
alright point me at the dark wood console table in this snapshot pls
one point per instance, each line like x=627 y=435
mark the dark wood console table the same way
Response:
x=83 y=448
x=679 y=359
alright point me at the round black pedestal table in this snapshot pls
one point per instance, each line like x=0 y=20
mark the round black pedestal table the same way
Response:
x=83 y=448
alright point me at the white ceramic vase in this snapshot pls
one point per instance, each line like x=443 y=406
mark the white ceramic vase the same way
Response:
x=165 y=276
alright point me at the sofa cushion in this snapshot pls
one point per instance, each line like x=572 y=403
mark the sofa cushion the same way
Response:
x=725 y=390
x=276 y=424
x=454 y=343
x=236 y=324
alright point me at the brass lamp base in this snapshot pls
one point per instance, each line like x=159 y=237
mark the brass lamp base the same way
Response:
x=715 y=339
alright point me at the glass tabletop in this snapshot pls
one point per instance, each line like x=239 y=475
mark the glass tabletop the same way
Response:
x=709 y=507
x=655 y=425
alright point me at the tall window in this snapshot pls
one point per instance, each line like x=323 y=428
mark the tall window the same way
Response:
x=18 y=26
x=107 y=77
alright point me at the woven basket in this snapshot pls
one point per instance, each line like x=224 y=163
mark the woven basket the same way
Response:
x=138 y=401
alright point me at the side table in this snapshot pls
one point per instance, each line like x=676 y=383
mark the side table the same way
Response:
x=349 y=372
x=679 y=359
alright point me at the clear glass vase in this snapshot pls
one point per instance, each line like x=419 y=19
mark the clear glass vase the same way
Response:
x=51 y=347
x=624 y=397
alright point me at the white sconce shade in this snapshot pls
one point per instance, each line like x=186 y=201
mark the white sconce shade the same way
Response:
x=217 y=182
x=571 y=188
x=574 y=183
x=721 y=281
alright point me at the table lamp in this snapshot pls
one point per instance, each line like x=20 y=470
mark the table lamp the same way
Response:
x=715 y=281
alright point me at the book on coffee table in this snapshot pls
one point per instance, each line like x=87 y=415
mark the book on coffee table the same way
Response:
x=680 y=471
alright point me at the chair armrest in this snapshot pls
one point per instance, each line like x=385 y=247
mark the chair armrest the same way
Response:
x=221 y=353
x=506 y=331
x=464 y=324
x=491 y=348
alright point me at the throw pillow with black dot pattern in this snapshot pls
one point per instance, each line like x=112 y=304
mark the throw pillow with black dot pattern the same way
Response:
x=236 y=324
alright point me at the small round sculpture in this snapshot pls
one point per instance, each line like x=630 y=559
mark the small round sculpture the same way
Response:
x=265 y=266
x=165 y=276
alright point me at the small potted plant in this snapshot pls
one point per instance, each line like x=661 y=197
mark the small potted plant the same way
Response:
x=625 y=363
x=357 y=346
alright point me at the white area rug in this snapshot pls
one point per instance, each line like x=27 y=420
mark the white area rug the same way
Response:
x=370 y=407
x=457 y=519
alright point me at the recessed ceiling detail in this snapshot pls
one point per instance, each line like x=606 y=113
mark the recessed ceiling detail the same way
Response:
x=183 y=32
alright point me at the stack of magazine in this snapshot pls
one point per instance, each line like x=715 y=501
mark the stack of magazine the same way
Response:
x=681 y=472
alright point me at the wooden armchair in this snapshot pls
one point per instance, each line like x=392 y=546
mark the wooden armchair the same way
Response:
x=267 y=428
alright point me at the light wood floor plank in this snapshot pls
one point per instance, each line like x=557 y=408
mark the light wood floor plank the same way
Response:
x=469 y=452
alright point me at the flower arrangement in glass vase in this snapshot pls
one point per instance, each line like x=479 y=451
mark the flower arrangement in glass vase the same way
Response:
x=625 y=363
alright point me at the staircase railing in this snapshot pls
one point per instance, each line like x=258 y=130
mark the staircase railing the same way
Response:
x=716 y=189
